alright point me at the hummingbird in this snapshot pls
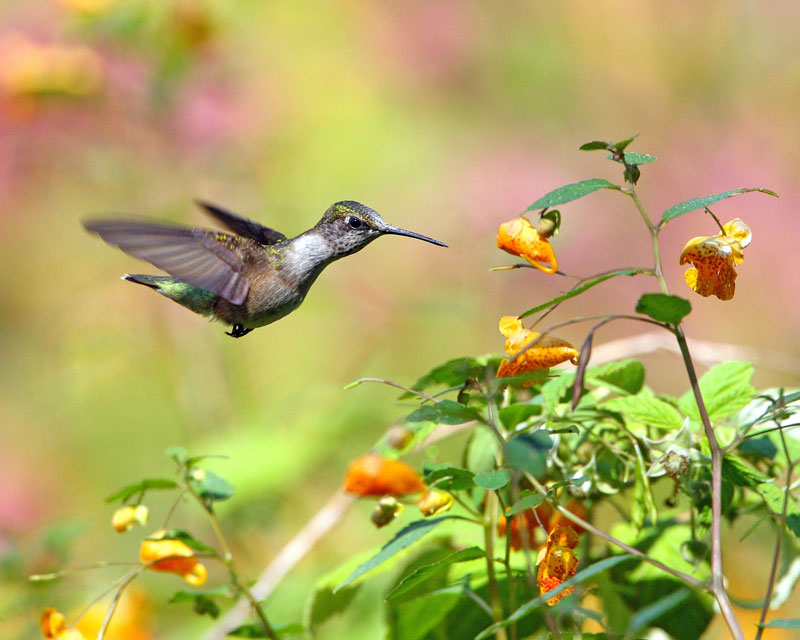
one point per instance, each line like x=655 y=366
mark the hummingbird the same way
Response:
x=250 y=277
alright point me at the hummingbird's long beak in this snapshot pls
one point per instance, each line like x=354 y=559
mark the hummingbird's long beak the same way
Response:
x=388 y=229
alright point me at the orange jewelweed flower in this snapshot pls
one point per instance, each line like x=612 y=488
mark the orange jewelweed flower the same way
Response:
x=558 y=563
x=714 y=259
x=434 y=502
x=374 y=475
x=520 y=238
x=53 y=625
x=546 y=353
x=172 y=556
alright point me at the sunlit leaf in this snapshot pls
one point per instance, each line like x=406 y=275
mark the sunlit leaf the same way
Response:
x=571 y=192
x=705 y=201
x=663 y=307
x=493 y=480
x=529 y=501
x=725 y=389
x=425 y=572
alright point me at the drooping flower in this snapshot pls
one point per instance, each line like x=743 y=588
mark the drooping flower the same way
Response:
x=126 y=517
x=558 y=562
x=546 y=353
x=520 y=238
x=54 y=625
x=173 y=556
x=374 y=475
x=434 y=502
x=387 y=509
x=714 y=258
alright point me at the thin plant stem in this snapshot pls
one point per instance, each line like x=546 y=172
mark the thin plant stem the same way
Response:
x=395 y=385
x=653 y=229
x=132 y=575
x=717 y=576
x=773 y=572
x=489 y=527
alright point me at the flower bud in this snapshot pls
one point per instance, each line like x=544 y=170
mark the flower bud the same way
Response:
x=434 y=502
x=387 y=509
x=126 y=517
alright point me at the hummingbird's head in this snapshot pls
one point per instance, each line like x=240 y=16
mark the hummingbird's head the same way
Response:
x=350 y=226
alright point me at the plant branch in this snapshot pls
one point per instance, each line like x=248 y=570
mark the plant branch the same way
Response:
x=396 y=385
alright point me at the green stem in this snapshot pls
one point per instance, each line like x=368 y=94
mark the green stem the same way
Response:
x=653 y=229
x=489 y=528
x=717 y=577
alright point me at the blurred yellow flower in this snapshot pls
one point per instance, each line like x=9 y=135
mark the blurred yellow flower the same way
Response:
x=434 y=502
x=387 y=509
x=53 y=625
x=29 y=69
x=558 y=562
x=546 y=353
x=132 y=619
x=126 y=517
x=172 y=556
x=373 y=475
x=519 y=238
x=714 y=259
x=87 y=7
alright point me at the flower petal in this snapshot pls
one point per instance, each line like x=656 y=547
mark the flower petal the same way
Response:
x=172 y=556
x=520 y=238
x=373 y=475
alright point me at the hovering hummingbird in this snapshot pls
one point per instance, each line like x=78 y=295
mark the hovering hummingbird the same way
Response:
x=252 y=277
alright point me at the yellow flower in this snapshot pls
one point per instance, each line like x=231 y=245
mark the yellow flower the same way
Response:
x=546 y=353
x=434 y=502
x=173 y=556
x=373 y=475
x=126 y=517
x=54 y=626
x=714 y=259
x=519 y=238
x=558 y=562
x=132 y=619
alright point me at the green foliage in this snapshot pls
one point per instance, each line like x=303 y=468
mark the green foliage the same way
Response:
x=699 y=203
x=663 y=307
x=725 y=388
x=571 y=192
x=140 y=488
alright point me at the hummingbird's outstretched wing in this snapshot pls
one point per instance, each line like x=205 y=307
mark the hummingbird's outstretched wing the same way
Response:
x=202 y=258
x=242 y=226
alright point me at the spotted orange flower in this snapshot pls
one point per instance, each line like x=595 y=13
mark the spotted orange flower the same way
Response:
x=172 y=556
x=54 y=625
x=520 y=238
x=546 y=353
x=558 y=562
x=714 y=258
x=374 y=475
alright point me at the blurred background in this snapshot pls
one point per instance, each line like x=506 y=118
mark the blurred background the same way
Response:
x=447 y=118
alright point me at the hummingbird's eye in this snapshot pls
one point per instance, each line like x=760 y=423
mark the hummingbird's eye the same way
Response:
x=354 y=222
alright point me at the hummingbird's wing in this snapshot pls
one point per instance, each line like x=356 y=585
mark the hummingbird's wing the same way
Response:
x=242 y=226
x=205 y=259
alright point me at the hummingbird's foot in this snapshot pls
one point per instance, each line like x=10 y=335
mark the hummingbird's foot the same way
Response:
x=237 y=331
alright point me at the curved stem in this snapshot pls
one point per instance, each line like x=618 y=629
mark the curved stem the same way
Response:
x=653 y=229
x=396 y=385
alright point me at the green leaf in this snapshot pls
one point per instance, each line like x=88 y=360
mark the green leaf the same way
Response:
x=553 y=390
x=443 y=412
x=532 y=605
x=512 y=415
x=580 y=289
x=738 y=472
x=647 y=410
x=774 y=497
x=493 y=480
x=140 y=488
x=623 y=144
x=627 y=375
x=634 y=159
x=647 y=615
x=528 y=451
x=571 y=192
x=188 y=539
x=178 y=454
x=705 y=201
x=762 y=446
x=725 y=389
x=663 y=307
x=454 y=373
x=211 y=487
x=256 y=631
x=404 y=538
x=595 y=145
x=783 y=623
x=481 y=451
x=448 y=478
x=527 y=501
x=425 y=572
x=189 y=596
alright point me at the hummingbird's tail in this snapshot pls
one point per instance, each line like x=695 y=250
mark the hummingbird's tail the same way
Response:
x=154 y=282
x=198 y=300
